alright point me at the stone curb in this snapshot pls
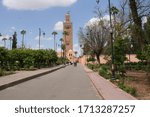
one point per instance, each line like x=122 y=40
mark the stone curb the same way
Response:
x=102 y=91
x=24 y=79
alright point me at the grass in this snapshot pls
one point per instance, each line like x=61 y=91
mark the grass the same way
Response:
x=127 y=89
x=4 y=73
x=104 y=71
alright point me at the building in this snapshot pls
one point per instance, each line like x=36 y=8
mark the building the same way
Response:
x=68 y=37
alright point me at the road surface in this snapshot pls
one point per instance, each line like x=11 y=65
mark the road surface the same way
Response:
x=69 y=83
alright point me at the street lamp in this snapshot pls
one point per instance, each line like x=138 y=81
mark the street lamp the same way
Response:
x=111 y=37
x=40 y=33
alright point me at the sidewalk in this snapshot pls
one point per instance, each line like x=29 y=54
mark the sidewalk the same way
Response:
x=106 y=89
x=22 y=76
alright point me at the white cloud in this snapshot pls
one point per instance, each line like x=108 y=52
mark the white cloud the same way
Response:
x=36 y=4
x=43 y=38
x=36 y=47
x=95 y=20
x=92 y=21
x=4 y=36
x=58 y=26
x=12 y=29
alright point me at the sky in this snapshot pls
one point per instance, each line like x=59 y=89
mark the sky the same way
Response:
x=30 y=15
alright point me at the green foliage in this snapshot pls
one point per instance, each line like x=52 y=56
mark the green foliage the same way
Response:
x=17 y=59
x=94 y=67
x=104 y=71
x=3 y=57
x=128 y=89
x=147 y=53
x=61 y=60
x=1 y=72
x=120 y=55
x=4 y=72
x=147 y=30
x=14 y=43
x=141 y=55
x=91 y=59
x=90 y=66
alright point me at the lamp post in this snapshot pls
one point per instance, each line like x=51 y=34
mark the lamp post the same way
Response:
x=111 y=37
x=40 y=33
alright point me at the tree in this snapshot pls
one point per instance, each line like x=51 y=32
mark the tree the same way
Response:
x=65 y=33
x=4 y=39
x=139 y=9
x=63 y=47
x=3 y=57
x=61 y=40
x=54 y=33
x=120 y=55
x=147 y=30
x=95 y=37
x=10 y=39
x=23 y=32
x=14 y=43
x=114 y=12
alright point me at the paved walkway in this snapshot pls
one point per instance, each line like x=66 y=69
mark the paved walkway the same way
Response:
x=21 y=76
x=69 y=83
x=106 y=89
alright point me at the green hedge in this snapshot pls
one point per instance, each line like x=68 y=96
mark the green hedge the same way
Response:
x=26 y=58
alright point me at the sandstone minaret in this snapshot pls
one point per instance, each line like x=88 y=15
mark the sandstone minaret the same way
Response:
x=68 y=36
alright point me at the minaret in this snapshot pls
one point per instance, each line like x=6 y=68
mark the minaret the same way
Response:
x=67 y=28
x=68 y=37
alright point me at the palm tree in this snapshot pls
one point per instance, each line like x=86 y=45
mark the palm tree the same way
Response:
x=14 y=42
x=63 y=47
x=61 y=40
x=23 y=32
x=114 y=11
x=10 y=39
x=65 y=33
x=4 y=39
x=54 y=33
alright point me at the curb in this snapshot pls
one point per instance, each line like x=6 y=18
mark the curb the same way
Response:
x=4 y=86
x=117 y=88
x=101 y=90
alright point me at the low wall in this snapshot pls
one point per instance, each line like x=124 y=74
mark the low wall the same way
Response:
x=104 y=59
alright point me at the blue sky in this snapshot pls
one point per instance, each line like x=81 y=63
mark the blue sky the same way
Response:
x=31 y=15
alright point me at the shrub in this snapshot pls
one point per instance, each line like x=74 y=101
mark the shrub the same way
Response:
x=1 y=72
x=91 y=59
x=90 y=66
x=104 y=71
x=17 y=59
x=127 y=89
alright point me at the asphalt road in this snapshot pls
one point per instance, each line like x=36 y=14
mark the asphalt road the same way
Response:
x=69 y=83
